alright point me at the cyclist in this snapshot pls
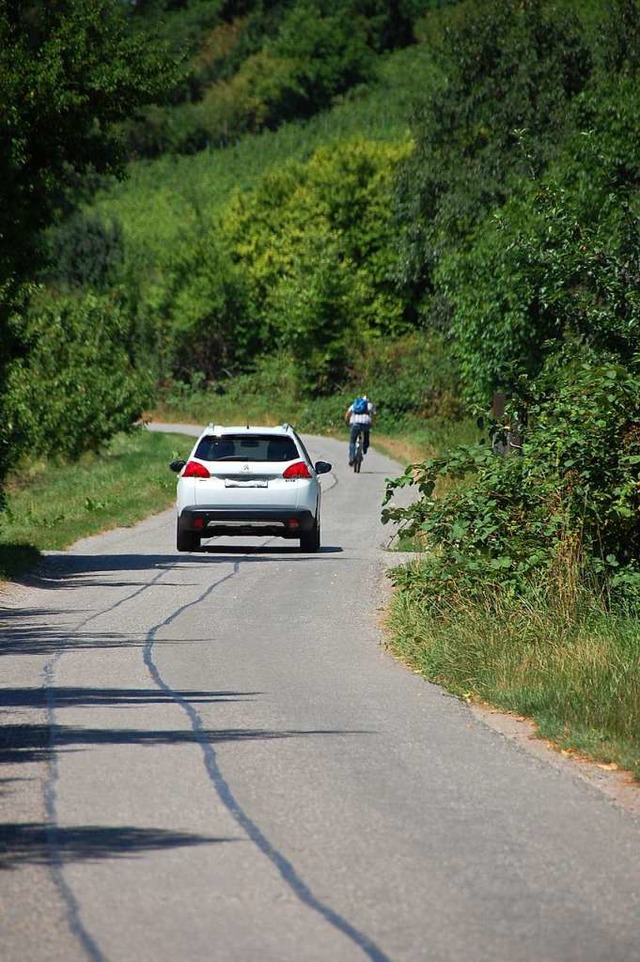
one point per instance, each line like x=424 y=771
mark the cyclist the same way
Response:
x=360 y=415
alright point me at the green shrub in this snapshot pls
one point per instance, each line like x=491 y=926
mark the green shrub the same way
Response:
x=316 y=243
x=566 y=510
x=85 y=251
x=77 y=384
x=409 y=377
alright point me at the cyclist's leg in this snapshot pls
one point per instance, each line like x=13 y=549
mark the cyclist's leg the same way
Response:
x=366 y=428
x=353 y=434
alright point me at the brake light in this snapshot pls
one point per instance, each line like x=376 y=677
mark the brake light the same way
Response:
x=195 y=470
x=297 y=470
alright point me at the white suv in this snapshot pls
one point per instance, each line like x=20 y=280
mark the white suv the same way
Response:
x=249 y=481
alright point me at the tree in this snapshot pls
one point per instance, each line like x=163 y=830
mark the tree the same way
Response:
x=316 y=243
x=509 y=72
x=558 y=260
x=69 y=70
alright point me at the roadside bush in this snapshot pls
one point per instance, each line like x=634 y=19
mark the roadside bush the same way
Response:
x=77 y=384
x=565 y=512
x=205 y=311
x=409 y=377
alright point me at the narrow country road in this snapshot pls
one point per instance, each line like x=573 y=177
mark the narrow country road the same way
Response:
x=211 y=758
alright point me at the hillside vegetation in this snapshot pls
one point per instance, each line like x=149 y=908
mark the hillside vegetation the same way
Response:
x=436 y=200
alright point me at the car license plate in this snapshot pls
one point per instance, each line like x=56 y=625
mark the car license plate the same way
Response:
x=253 y=483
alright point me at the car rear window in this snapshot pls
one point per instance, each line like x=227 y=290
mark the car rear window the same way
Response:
x=243 y=447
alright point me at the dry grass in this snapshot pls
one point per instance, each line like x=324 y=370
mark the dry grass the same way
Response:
x=567 y=664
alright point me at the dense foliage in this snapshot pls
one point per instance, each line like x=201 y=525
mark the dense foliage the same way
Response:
x=316 y=243
x=509 y=74
x=76 y=385
x=68 y=71
x=565 y=511
x=439 y=200
x=530 y=264
x=258 y=64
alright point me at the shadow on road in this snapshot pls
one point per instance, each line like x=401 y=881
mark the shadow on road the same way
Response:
x=113 y=697
x=27 y=743
x=266 y=549
x=35 y=843
x=58 y=571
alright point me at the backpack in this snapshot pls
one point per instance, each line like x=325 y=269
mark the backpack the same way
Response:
x=360 y=406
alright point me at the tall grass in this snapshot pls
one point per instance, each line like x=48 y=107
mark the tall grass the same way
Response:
x=416 y=440
x=51 y=505
x=574 y=670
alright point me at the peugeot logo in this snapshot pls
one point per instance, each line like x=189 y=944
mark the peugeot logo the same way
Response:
x=245 y=467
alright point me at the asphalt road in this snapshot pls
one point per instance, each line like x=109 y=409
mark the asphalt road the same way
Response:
x=212 y=757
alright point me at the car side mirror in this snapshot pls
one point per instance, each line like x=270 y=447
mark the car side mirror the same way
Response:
x=177 y=465
x=323 y=467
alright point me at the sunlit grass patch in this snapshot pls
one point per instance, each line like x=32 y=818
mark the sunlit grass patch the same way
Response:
x=50 y=506
x=576 y=674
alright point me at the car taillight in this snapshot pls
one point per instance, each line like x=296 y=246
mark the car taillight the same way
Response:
x=297 y=470
x=195 y=470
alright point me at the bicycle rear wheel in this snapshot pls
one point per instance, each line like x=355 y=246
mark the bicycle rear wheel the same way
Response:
x=357 y=460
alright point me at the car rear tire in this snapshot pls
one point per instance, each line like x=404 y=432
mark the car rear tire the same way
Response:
x=310 y=540
x=187 y=541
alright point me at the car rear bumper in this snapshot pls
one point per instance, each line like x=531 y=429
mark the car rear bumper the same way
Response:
x=209 y=522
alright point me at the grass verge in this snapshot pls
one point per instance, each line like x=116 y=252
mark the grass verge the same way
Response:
x=576 y=673
x=50 y=506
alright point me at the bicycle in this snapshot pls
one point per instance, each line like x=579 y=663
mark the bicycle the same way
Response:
x=358 y=453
